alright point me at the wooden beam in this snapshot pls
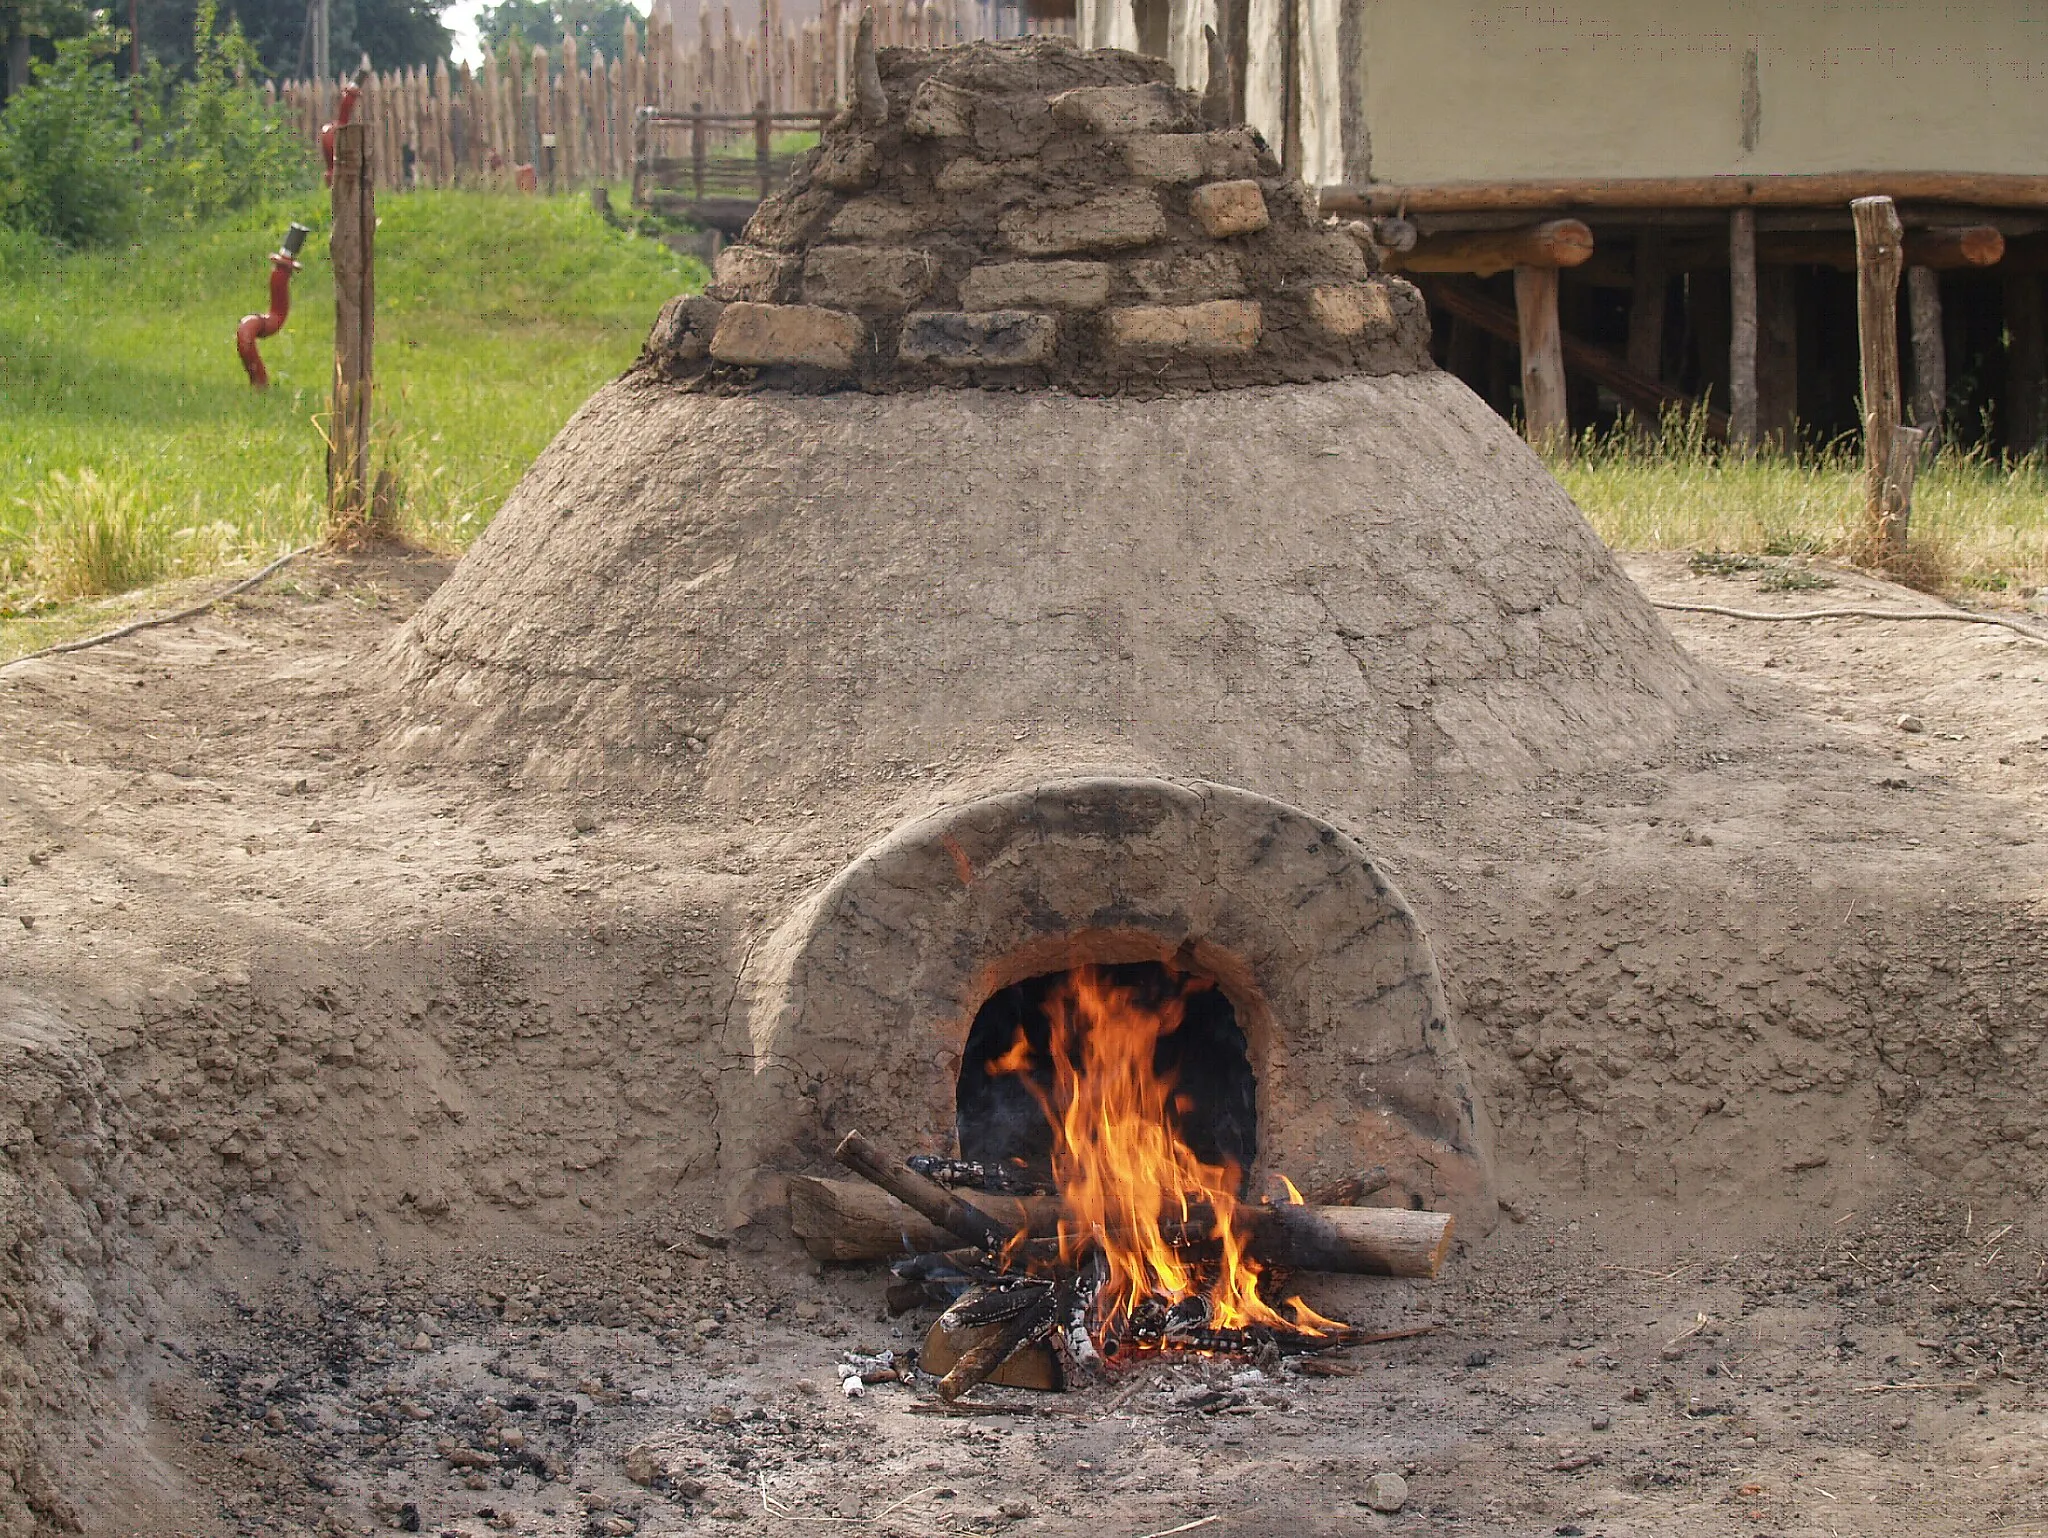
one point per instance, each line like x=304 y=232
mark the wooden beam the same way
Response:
x=1596 y=363
x=1930 y=358
x=1777 y=355
x=1545 y=419
x=1795 y=190
x=1553 y=243
x=1946 y=248
x=1879 y=258
x=1742 y=406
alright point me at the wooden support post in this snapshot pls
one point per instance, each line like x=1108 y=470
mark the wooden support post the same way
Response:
x=1930 y=359
x=1649 y=279
x=352 y=249
x=1880 y=241
x=1777 y=357
x=1545 y=421
x=1742 y=411
x=2025 y=385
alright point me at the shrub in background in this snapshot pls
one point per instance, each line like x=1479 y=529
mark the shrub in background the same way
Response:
x=218 y=145
x=67 y=163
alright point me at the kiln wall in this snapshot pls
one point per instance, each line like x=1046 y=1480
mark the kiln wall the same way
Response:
x=782 y=605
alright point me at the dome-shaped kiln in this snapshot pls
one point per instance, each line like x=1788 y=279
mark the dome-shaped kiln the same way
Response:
x=1039 y=430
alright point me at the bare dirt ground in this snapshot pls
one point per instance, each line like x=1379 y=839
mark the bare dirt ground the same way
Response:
x=389 y=1207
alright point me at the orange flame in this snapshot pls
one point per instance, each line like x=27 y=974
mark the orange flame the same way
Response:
x=1128 y=1180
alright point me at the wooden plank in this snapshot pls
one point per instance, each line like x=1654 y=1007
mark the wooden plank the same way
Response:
x=1777 y=356
x=1552 y=243
x=1879 y=258
x=1545 y=419
x=1742 y=405
x=1795 y=190
x=1635 y=389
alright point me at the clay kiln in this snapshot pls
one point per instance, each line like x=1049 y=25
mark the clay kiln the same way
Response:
x=1044 y=510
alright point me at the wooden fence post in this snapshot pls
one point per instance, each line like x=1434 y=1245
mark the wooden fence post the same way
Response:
x=762 y=143
x=1890 y=452
x=699 y=149
x=1742 y=306
x=1545 y=420
x=352 y=248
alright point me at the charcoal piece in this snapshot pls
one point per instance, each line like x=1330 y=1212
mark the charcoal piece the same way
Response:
x=994 y=1304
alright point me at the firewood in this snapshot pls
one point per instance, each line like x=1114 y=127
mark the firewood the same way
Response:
x=1033 y=1366
x=942 y=1207
x=981 y=1360
x=851 y=1220
x=843 y=1220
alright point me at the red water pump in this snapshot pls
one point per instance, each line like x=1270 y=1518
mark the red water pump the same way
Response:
x=284 y=261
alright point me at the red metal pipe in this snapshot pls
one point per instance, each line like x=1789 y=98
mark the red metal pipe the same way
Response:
x=350 y=95
x=283 y=263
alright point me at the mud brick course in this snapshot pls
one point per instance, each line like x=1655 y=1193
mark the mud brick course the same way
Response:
x=1031 y=216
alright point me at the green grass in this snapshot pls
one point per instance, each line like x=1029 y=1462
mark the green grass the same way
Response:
x=125 y=416
x=1977 y=525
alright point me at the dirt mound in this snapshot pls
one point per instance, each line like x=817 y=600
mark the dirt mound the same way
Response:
x=738 y=604
x=1022 y=214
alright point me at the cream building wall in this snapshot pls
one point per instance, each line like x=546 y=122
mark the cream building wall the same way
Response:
x=1483 y=89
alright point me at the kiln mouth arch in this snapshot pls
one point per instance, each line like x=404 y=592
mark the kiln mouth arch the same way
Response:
x=860 y=1007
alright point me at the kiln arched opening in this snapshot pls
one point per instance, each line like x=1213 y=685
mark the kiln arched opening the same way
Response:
x=1188 y=1029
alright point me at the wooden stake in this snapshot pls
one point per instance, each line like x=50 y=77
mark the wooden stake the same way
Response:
x=1879 y=241
x=1930 y=359
x=352 y=248
x=1546 y=421
x=1742 y=407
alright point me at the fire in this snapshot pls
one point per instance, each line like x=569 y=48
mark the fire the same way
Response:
x=1168 y=1226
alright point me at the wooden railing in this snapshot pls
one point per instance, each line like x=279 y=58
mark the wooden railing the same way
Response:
x=732 y=161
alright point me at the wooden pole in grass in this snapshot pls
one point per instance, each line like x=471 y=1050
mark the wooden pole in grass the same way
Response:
x=352 y=248
x=1890 y=452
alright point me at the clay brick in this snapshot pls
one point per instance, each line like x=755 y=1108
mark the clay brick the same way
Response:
x=1219 y=329
x=748 y=272
x=867 y=277
x=1351 y=309
x=1188 y=277
x=1123 y=109
x=1230 y=208
x=884 y=221
x=1107 y=222
x=996 y=339
x=682 y=331
x=1036 y=286
x=848 y=166
x=1182 y=158
x=755 y=335
x=968 y=175
x=939 y=111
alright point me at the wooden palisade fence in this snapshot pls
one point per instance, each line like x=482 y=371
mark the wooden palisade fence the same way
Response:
x=569 y=111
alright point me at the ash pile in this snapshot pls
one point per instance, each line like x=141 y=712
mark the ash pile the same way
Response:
x=1023 y=215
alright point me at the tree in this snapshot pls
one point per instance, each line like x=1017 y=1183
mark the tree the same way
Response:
x=396 y=34
x=593 y=23
x=66 y=167
x=22 y=22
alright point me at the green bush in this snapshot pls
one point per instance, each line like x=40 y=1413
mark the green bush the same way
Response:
x=218 y=145
x=66 y=158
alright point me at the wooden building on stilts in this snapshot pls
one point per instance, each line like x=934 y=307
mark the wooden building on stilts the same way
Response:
x=1618 y=209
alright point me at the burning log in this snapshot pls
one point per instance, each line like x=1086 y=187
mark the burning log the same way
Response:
x=939 y=1205
x=844 y=1220
x=851 y=1220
